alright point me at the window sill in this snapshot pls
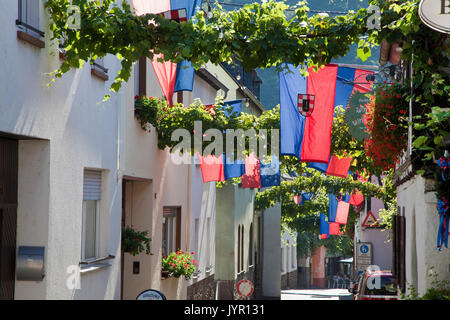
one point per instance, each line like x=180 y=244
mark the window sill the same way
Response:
x=33 y=40
x=93 y=267
x=99 y=74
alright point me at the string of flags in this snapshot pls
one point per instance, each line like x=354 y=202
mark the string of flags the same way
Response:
x=254 y=173
x=442 y=206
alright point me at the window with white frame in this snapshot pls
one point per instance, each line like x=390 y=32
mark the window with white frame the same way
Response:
x=196 y=247
x=208 y=243
x=28 y=19
x=170 y=234
x=136 y=79
x=91 y=211
x=294 y=255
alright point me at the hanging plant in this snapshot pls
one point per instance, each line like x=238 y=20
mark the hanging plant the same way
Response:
x=135 y=242
x=386 y=121
x=149 y=110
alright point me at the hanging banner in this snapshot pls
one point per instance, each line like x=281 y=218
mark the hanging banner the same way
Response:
x=355 y=113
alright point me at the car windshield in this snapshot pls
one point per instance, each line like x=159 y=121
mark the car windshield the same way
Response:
x=380 y=286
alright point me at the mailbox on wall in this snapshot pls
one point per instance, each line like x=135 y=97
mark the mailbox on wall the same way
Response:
x=30 y=263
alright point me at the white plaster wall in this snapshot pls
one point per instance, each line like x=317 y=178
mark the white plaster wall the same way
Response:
x=234 y=206
x=82 y=132
x=380 y=239
x=143 y=159
x=289 y=245
x=422 y=221
x=271 y=285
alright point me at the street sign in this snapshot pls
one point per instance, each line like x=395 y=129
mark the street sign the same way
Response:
x=151 y=294
x=363 y=255
x=370 y=221
x=245 y=288
x=435 y=14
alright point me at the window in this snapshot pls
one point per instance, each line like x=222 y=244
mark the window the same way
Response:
x=208 y=242
x=240 y=253
x=28 y=23
x=171 y=235
x=239 y=250
x=197 y=239
x=250 y=246
x=294 y=255
x=136 y=79
x=28 y=19
x=98 y=69
x=91 y=208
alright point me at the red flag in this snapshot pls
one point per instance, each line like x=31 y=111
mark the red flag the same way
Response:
x=317 y=132
x=212 y=168
x=339 y=167
x=356 y=198
x=342 y=212
x=334 y=228
x=251 y=178
x=166 y=71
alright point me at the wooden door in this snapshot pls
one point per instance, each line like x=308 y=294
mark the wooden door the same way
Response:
x=8 y=215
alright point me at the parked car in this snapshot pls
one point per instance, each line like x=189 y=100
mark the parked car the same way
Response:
x=375 y=285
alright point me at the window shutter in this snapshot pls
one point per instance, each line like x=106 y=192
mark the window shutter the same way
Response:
x=92 y=184
x=169 y=211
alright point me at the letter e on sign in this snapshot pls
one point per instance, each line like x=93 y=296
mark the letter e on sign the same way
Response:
x=435 y=14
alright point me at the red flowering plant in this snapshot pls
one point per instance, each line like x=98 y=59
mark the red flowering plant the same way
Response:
x=135 y=242
x=179 y=264
x=386 y=123
x=150 y=110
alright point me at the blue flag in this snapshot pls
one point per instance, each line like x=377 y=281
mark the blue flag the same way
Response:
x=332 y=207
x=270 y=173
x=324 y=226
x=233 y=169
x=185 y=72
x=292 y=123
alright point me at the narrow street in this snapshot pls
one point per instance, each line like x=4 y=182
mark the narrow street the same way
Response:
x=316 y=294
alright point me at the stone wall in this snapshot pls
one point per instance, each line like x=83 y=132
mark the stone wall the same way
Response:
x=289 y=280
x=202 y=290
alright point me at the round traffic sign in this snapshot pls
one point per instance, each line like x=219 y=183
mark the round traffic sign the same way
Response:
x=245 y=288
x=151 y=294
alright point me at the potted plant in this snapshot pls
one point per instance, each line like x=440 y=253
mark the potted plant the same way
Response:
x=178 y=264
x=135 y=242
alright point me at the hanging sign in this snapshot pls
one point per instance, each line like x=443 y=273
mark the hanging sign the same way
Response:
x=355 y=113
x=306 y=104
x=435 y=14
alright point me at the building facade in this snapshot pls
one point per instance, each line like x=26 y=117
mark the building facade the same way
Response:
x=61 y=145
